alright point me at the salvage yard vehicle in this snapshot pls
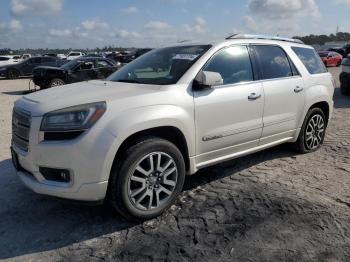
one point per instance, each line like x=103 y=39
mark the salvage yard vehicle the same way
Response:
x=25 y=67
x=330 y=58
x=81 y=69
x=73 y=55
x=132 y=138
x=7 y=60
x=345 y=77
x=133 y=55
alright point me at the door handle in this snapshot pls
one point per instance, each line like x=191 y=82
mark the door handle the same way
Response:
x=254 y=96
x=298 y=89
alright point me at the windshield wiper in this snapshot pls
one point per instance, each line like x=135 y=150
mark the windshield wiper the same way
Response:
x=128 y=81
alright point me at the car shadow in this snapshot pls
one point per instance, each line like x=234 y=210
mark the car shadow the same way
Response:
x=32 y=223
x=19 y=93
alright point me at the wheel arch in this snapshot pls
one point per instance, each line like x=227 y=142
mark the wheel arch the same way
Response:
x=170 y=133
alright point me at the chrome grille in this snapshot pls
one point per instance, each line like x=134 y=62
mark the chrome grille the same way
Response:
x=20 y=128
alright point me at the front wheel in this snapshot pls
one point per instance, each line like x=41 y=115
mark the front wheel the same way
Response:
x=57 y=82
x=312 y=132
x=13 y=74
x=147 y=180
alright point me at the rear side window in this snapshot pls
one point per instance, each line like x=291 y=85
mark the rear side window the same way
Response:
x=48 y=60
x=4 y=58
x=233 y=64
x=274 y=62
x=310 y=59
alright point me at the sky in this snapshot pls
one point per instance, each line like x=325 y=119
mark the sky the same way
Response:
x=155 y=23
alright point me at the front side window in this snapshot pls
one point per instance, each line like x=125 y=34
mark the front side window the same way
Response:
x=310 y=59
x=102 y=63
x=88 y=65
x=273 y=61
x=233 y=64
x=164 y=66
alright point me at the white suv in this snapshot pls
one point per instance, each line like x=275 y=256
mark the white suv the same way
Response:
x=74 y=55
x=132 y=138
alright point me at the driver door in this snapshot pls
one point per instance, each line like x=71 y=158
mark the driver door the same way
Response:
x=83 y=72
x=228 y=117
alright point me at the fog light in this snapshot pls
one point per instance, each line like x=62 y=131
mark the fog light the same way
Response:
x=54 y=174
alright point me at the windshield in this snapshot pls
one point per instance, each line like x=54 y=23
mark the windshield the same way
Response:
x=323 y=54
x=164 y=66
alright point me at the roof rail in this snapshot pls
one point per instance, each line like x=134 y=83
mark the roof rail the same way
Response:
x=277 y=38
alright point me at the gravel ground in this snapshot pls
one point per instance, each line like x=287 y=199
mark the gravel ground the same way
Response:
x=270 y=206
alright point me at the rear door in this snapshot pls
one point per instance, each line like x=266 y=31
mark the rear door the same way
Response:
x=49 y=61
x=284 y=93
x=83 y=72
x=30 y=64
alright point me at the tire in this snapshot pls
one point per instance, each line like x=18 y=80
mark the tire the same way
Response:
x=56 y=82
x=309 y=133
x=136 y=192
x=13 y=74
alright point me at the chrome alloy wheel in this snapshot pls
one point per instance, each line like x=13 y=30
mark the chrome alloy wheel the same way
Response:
x=314 y=132
x=57 y=83
x=153 y=181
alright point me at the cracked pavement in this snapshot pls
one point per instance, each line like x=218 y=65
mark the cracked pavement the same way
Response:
x=274 y=205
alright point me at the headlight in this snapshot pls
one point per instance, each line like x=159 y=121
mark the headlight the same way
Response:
x=75 y=118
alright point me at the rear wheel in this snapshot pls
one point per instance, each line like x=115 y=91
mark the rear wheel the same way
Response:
x=147 y=180
x=312 y=132
x=13 y=74
x=57 y=82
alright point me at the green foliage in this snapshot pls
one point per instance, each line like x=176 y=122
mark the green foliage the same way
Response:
x=322 y=39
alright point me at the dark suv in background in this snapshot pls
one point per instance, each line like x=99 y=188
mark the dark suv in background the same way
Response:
x=25 y=67
x=80 y=69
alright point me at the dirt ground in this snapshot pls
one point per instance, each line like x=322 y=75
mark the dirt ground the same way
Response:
x=274 y=205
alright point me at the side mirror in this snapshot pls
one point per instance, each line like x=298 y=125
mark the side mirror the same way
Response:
x=209 y=79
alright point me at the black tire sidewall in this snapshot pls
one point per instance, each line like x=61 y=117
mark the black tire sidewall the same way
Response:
x=119 y=187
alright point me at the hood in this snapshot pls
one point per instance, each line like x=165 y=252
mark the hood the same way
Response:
x=60 y=97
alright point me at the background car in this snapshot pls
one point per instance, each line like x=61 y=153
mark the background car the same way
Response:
x=133 y=55
x=81 y=69
x=7 y=60
x=73 y=55
x=25 y=67
x=330 y=58
x=345 y=77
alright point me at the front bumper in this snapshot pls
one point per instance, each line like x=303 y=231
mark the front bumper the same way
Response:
x=86 y=157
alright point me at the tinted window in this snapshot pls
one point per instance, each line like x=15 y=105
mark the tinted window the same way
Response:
x=48 y=60
x=233 y=64
x=102 y=63
x=74 y=54
x=4 y=58
x=274 y=62
x=310 y=59
x=36 y=60
x=86 y=66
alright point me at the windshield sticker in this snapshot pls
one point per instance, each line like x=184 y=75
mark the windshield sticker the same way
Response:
x=185 y=56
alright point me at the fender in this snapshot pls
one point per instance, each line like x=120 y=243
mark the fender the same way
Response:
x=314 y=94
x=139 y=119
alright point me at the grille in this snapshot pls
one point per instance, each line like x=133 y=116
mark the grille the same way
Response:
x=20 y=128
